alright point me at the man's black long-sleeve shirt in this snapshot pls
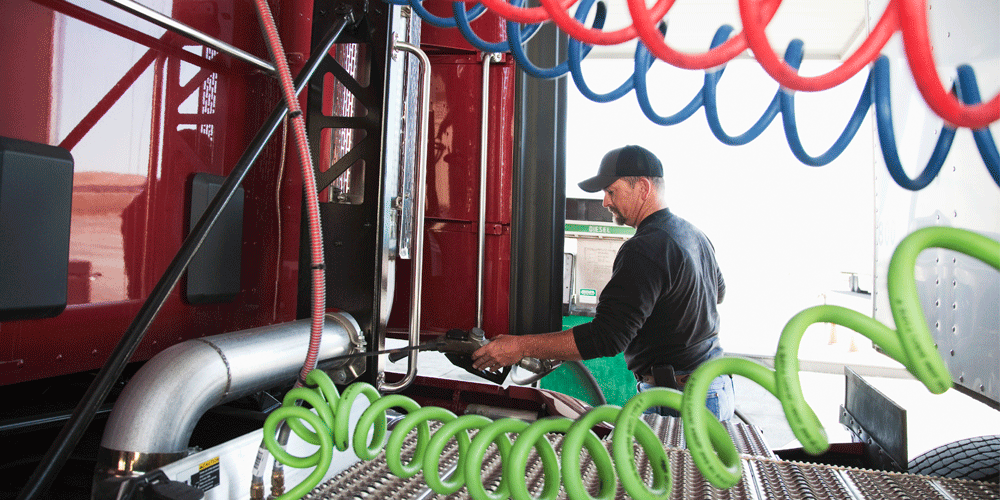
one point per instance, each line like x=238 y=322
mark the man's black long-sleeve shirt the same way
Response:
x=660 y=304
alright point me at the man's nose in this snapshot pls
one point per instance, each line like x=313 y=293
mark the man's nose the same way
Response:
x=607 y=201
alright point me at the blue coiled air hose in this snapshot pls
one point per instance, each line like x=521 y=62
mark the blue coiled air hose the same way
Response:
x=709 y=91
x=876 y=91
x=643 y=61
x=462 y=23
x=441 y=22
x=574 y=56
x=968 y=91
x=786 y=99
x=887 y=135
x=517 y=49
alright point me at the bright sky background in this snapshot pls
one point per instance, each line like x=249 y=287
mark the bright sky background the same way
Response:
x=784 y=232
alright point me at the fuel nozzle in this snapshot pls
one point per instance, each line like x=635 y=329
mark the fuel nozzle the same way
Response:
x=458 y=346
x=536 y=368
x=478 y=336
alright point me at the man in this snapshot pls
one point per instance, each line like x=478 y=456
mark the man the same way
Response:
x=659 y=306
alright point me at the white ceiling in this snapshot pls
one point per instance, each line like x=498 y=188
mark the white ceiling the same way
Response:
x=830 y=29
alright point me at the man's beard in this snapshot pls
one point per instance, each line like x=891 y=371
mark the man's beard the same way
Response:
x=617 y=216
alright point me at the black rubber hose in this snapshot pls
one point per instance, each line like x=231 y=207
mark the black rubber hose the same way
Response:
x=583 y=373
x=83 y=415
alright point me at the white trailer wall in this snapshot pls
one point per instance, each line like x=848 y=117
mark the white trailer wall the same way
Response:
x=960 y=295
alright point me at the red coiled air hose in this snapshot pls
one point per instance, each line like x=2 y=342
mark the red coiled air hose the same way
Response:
x=308 y=176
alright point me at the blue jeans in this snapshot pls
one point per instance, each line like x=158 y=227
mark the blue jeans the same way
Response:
x=721 y=399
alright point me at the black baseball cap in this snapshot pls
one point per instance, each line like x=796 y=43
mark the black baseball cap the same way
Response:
x=628 y=161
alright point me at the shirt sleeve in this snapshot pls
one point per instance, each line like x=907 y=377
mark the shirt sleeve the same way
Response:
x=625 y=303
x=722 y=286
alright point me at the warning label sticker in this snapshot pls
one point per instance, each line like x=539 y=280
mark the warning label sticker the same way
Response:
x=207 y=476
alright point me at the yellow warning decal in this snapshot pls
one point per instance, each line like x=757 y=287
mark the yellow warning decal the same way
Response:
x=208 y=475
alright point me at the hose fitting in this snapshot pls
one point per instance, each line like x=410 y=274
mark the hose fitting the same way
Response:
x=277 y=480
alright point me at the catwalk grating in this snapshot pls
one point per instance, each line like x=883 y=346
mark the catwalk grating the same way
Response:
x=764 y=476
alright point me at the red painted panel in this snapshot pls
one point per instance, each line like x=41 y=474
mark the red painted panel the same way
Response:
x=27 y=97
x=142 y=111
x=456 y=131
x=452 y=214
x=449 y=284
x=490 y=27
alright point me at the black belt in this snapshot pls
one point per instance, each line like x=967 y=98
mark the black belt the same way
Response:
x=663 y=375
x=680 y=379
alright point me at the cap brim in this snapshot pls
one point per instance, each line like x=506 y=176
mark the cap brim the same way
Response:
x=597 y=183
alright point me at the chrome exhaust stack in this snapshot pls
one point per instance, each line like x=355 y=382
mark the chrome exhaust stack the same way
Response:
x=153 y=419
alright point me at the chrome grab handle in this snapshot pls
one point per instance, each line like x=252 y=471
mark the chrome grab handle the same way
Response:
x=483 y=148
x=420 y=190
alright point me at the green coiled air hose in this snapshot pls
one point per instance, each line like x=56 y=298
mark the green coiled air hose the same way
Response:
x=711 y=448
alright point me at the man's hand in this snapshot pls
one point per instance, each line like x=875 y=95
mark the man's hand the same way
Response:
x=503 y=350
x=506 y=350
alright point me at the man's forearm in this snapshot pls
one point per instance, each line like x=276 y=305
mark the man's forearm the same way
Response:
x=506 y=350
x=555 y=345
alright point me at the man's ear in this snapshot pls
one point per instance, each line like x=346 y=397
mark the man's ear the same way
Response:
x=647 y=186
